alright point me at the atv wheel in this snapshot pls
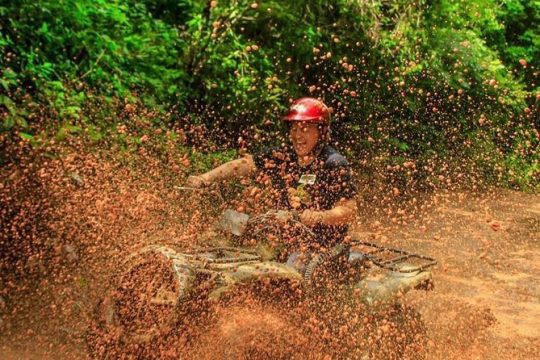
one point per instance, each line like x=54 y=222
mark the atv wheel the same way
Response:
x=142 y=307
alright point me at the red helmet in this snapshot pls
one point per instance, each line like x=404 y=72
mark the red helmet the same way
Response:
x=310 y=110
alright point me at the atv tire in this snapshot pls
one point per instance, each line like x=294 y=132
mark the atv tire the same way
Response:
x=141 y=311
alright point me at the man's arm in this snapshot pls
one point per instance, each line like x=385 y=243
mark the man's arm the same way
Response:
x=233 y=169
x=341 y=214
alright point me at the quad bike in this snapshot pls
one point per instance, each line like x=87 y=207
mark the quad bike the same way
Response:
x=152 y=296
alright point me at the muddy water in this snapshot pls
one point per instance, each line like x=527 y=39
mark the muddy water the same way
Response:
x=485 y=304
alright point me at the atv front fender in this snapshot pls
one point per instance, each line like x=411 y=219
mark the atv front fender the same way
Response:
x=387 y=288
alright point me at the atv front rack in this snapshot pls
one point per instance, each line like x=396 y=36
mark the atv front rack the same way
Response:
x=396 y=260
x=224 y=255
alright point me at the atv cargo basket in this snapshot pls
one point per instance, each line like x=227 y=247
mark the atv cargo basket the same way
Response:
x=393 y=259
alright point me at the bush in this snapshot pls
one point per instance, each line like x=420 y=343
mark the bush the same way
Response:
x=419 y=80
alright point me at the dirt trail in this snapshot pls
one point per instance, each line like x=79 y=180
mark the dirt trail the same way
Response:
x=486 y=302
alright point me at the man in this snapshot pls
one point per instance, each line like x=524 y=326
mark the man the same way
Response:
x=309 y=177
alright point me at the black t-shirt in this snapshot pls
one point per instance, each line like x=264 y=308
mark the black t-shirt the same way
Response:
x=317 y=186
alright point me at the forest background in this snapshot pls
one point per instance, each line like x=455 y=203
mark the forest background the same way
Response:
x=106 y=106
x=425 y=93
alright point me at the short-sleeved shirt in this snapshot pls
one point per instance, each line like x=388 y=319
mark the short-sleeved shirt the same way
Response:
x=317 y=186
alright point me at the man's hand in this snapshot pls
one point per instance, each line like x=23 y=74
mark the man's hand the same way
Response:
x=196 y=181
x=311 y=217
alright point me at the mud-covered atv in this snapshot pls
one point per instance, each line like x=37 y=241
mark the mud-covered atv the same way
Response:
x=160 y=293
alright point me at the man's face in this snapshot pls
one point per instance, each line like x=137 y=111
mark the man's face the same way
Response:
x=304 y=137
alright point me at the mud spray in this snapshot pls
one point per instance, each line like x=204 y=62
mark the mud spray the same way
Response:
x=69 y=221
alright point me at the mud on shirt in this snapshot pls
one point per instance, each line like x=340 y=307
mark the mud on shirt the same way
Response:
x=317 y=186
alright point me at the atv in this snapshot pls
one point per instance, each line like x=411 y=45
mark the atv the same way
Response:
x=160 y=292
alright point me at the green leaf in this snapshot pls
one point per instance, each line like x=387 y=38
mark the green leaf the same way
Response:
x=44 y=28
x=9 y=122
x=56 y=85
x=26 y=136
x=8 y=103
x=19 y=120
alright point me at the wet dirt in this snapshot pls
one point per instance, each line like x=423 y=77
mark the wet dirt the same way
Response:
x=486 y=301
x=485 y=305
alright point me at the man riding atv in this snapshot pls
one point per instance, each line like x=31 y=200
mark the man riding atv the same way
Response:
x=234 y=302
x=309 y=179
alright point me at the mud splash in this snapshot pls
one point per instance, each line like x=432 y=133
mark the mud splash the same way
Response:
x=485 y=301
x=67 y=223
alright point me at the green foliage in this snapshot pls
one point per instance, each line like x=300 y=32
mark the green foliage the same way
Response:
x=406 y=79
x=116 y=48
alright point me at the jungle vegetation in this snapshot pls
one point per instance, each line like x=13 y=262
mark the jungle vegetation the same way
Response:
x=419 y=88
